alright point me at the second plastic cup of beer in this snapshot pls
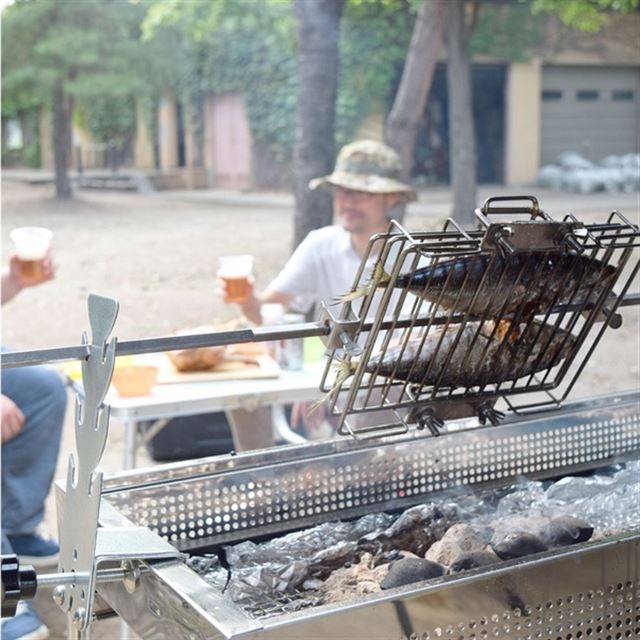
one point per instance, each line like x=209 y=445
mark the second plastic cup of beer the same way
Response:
x=236 y=272
x=32 y=246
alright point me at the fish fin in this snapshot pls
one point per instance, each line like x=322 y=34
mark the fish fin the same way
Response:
x=345 y=369
x=379 y=279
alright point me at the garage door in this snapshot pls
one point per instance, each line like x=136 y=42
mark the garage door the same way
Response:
x=594 y=111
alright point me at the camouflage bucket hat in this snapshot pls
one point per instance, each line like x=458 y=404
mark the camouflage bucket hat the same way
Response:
x=368 y=166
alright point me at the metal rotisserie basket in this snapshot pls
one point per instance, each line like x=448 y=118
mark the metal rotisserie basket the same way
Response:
x=587 y=590
x=526 y=300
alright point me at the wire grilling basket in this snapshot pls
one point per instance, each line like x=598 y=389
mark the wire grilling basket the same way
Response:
x=448 y=324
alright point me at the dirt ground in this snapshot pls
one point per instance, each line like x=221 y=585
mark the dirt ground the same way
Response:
x=156 y=254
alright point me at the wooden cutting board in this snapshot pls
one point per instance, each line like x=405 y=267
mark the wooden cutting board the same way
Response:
x=264 y=367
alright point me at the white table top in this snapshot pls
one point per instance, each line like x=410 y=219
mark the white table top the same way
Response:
x=170 y=400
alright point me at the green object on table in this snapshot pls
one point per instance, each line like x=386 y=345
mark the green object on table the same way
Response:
x=314 y=349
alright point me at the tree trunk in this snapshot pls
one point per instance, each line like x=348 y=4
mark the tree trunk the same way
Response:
x=462 y=138
x=196 y=124
x=408 y=107
x=61 y=141
x=318 y=35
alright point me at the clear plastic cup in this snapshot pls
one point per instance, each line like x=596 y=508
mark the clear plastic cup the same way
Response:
x=31 y=246
x=236 y=272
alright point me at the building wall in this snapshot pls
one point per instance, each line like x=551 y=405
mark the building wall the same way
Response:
x=46 y=139
x=143 y=157
x=615 y=47
x=168 y=132
x=228 y=143
x=592 y=110
x=522 y=122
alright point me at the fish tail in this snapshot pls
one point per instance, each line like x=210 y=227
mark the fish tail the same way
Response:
x=344 y=370
x=379 y=279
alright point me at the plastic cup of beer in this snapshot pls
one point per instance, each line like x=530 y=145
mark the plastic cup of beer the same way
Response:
x=31 y=246
x=236 y=272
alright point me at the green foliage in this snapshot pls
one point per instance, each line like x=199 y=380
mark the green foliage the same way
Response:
x=108 y=54
x=586 y=15
x=32 y=154
x=375 y=35
x=234 y=45
x=249 y=46
x=90 y=48
x=506 y=31
x=110 y=118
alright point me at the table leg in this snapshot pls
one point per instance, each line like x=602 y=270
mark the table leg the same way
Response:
x=251 y=429
x=282 y=428
x=130 y=443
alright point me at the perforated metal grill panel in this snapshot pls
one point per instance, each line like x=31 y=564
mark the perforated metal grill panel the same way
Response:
x=204 y=510
x=603 y=613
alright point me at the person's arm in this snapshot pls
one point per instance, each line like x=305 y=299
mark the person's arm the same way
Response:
x=297 y=283
x=251 y=308
x=10 y=286
x=13 y=282
x=298 y=278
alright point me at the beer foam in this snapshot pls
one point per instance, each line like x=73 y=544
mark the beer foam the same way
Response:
x=31 y=243
x=32 y=253
x=235 y=266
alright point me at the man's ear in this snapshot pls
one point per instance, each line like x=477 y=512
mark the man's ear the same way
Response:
x=392 y=200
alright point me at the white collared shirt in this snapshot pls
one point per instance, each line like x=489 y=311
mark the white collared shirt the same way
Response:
x=321 y=269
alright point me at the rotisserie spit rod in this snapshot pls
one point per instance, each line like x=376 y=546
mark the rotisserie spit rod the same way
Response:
x=238 y=336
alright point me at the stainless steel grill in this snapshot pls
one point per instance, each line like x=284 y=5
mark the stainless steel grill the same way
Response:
x=594 y=584
x=194 y=506
x=148 y=519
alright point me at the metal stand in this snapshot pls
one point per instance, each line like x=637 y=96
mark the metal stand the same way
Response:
x=83 y=545
x=84 y=478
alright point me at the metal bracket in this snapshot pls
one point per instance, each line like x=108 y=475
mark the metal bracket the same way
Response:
x=433 y=416
x=83 y=545
x=84 y=478
x=518 y=236
x=343 y=331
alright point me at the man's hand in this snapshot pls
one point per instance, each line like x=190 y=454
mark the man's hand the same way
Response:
x=13 y=281
x=250 y=307
x=12 y=419
x=15 y=274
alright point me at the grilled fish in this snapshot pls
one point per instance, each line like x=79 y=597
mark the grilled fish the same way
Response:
x=489 y=286
x=478 y=354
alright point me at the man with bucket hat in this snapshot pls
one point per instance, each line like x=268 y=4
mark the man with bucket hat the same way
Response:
x=366 y=186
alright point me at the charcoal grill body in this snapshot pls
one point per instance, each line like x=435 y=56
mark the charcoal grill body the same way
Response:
x=593 y=587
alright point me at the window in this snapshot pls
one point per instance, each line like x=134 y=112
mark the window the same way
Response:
x=622 y=95
x=13 y=133
x=549 y=95
x=586 y=95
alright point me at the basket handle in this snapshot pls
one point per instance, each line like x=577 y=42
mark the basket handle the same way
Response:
x=533 y=209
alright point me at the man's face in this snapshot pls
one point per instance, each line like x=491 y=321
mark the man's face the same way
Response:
x=362 y=212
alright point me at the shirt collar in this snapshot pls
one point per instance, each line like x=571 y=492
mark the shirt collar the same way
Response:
x=343 y=241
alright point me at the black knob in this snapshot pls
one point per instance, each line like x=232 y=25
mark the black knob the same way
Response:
x=17 y=584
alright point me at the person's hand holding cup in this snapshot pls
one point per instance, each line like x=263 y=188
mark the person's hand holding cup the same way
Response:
x=31 y=263
x=235 y=277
